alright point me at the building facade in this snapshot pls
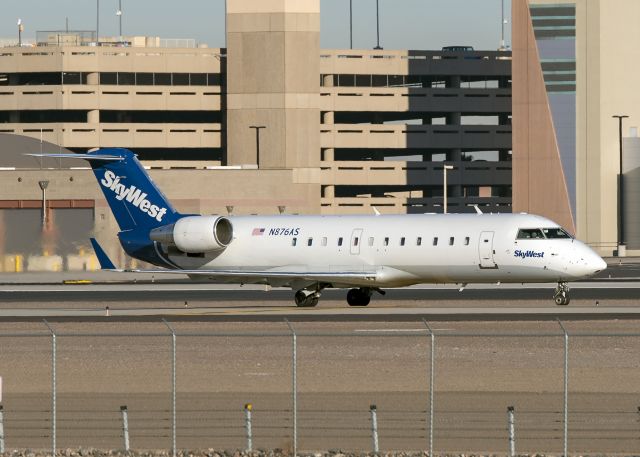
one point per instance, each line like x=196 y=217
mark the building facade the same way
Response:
x=573 y=70
x=270 y=124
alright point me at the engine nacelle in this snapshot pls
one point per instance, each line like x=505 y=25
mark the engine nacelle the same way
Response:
x=195 y=234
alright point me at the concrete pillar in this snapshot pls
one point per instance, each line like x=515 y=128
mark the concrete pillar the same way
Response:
x=328 y=191
x=327 y=81
x=273 y=64
x=454 y=118
x=328 y=117
x=454 y=155
x=93 y=79
x=328 y=155
x=453 y=82
x=93 y=116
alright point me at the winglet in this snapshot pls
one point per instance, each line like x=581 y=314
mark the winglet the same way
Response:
x=105 y=261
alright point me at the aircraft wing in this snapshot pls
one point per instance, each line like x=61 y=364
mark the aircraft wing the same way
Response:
x=288 y=275
x=276 y=277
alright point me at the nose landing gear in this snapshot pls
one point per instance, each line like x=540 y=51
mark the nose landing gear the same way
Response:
x=561 y=294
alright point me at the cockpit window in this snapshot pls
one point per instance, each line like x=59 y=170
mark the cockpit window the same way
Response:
x=555 y=232
x=528 y=234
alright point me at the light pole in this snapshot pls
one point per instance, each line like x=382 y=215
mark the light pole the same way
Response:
x=444 y=185
x=43 y=186
x=503 y=23
x=621 y=246
x=350 y=24
x=20 y=30
x=119 y=14
x=257 y=127
x=377 y=26
x=98 y=21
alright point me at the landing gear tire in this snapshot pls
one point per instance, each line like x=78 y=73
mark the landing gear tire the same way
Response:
x=359 y=297
x=561 y=294
x=306 y=299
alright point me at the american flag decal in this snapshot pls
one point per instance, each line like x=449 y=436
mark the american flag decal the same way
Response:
x=258 y=231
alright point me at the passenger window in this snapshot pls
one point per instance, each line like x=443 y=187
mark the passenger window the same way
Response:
x=466 y=241
x=294 y=241
x=419 y=241
x=310 y=242
x=355 y=241
x=340 y=241
x=370 y=241
x=386 y=241
x=324 y=241
x=529 y=234
x=435 y=241
x=451 y=239
x=402 y=241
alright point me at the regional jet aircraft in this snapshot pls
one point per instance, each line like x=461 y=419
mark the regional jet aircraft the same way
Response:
x=311 y=253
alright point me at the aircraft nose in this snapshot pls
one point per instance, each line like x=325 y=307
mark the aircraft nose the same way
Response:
x=593 y=263
x=598 y=264
x=587 y=262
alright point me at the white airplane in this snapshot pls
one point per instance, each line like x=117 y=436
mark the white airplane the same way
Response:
x=312 y=253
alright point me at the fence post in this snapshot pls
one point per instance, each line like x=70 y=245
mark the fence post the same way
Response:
x=294 y=382
x=566 y=386
x=54 y=389
x=125 y=427
x=173 y=388
x=1 y=428
x=247 y=422
x=512 y=434
x=374 y=428
x=431 y=384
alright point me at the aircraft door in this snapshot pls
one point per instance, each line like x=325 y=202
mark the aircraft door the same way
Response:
x=356 y=241
x=485 y=250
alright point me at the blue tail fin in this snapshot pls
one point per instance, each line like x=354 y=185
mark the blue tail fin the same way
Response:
x=136 y=202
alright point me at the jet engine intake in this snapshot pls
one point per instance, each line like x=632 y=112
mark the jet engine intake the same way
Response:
x=195 y=234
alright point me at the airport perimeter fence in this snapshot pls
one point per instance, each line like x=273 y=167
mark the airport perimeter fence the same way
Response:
x=94 y=398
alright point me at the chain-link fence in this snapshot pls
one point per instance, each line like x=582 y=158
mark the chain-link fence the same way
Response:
x=305 y=387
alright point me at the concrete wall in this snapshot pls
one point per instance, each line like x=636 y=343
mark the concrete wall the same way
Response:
x=273 y=49
x=539 y=185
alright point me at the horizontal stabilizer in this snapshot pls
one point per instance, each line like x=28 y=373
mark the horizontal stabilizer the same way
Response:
x=79 y=156
x=105 y=261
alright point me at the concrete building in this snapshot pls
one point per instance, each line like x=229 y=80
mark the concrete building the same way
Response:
x=270 y=124
x=573 y=69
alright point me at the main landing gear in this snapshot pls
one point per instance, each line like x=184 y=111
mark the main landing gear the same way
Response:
x=355 y=297
x=561 y=294
x=362 y=296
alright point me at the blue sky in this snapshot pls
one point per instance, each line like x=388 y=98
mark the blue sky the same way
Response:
x=404 y=24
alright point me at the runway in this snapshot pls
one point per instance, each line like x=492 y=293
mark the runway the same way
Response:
x=186 y=300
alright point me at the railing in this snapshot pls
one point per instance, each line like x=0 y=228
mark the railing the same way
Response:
x=118 y=135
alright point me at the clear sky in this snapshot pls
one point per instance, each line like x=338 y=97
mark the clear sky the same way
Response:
x=404 y=24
